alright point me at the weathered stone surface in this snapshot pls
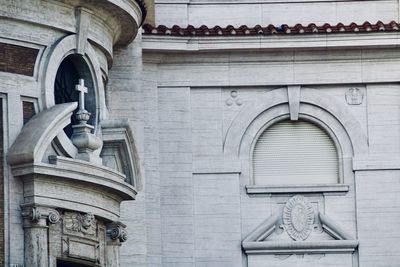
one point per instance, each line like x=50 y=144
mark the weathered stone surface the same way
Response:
x=179 y=117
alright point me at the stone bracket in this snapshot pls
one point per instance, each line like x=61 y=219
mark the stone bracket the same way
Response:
x=82 y=28
x=294 y=101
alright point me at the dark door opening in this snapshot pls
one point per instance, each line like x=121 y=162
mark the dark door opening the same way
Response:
x=70 y=264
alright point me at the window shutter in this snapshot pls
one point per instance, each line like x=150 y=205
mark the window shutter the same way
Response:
x=294 y=153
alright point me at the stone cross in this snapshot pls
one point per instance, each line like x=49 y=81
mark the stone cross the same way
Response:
x=82 y=91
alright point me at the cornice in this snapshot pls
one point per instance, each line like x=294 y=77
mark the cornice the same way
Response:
x=164 y=43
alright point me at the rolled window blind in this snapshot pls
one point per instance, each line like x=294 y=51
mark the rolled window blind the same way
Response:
x=296 y=152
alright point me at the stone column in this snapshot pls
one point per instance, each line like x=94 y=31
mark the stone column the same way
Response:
x=35 y=237
x=116 y=234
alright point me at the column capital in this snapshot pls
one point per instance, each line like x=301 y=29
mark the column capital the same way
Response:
x=36 y=216
x=116 y=232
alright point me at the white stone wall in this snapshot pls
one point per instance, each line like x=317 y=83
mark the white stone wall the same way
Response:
x=377 y=217
x=264 y=12
x=193 y=208
x=176 y=182
x=205 y=210
x=43 y=25
x=151 y=163
x=126 y=101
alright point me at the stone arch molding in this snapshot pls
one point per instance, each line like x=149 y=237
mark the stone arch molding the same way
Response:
x=55 y=55
x=36 y=136
x=309 y=104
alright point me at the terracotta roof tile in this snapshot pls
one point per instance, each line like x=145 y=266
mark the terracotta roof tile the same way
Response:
x=270 y=29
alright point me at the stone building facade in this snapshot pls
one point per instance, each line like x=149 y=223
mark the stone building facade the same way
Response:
x=215 y=133
x=68 y=162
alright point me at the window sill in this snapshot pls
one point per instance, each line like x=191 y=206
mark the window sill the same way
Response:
x=286 y=189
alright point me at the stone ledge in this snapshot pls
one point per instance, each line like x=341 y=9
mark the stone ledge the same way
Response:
x=81 y=171
x=285 y=189
x=229 y=2
x=376 y=162
x=273 y=247
x=217 y=166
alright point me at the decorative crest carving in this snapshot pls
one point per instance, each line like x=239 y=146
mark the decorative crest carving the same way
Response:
x=298 y=218
x=354 y=96
x=80 y=223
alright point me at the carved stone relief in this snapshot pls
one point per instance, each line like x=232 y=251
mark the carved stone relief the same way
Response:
x=78 y=236
x=53 y=234
x=354 y=96
x=298 y=218
x=80 y=224
x=54 y=217
x=233 y=99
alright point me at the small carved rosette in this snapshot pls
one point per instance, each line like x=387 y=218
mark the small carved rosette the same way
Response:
x=298 y=218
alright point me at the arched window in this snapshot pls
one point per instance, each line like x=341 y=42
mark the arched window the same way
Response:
x=295 y=152
x=71 y=69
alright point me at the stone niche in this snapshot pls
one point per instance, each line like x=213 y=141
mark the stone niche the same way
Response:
x=299 y=235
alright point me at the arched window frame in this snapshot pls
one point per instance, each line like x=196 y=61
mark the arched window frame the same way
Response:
x=116 y=131
x=56 y=55
x=314 y=104
x=306 y=118
x=85 y=71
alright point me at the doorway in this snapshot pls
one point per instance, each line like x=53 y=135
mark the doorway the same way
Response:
x=70 y=264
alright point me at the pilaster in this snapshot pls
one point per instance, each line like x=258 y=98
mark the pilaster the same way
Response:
x=36 y=234
x=116 y=234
